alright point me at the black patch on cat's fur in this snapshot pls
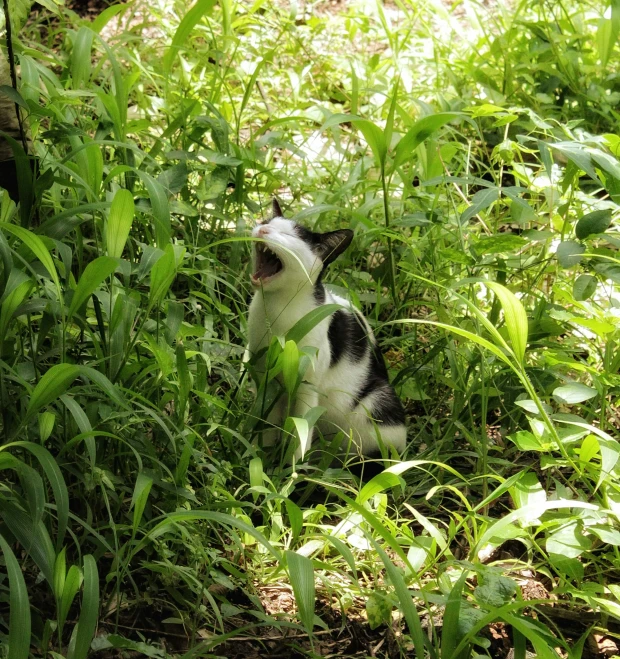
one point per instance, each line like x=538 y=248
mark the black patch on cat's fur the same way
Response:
x=319 y=293
x=327 y=246
x=306 y=235
x=337 y=336
x=347 y=335
x=331 y=245
x=275 y=206
x=388 y=409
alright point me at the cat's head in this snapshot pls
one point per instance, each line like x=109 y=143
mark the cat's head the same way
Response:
x=288 y=254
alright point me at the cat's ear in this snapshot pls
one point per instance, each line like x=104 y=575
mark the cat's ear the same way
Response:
x=331 y=245
x=275 y=206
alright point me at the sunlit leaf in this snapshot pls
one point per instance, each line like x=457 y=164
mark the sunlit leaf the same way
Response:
x=301 y=573
x=19 y=617
x=593 y=223
x=119 y=222
x=574 y=392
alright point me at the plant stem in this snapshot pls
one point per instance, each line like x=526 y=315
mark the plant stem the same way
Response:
x=11 y=58
x=386 y=210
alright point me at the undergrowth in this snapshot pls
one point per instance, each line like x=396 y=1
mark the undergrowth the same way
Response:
x=474 y=150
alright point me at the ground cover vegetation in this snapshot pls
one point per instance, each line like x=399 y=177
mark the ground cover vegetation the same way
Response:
x=474 y=150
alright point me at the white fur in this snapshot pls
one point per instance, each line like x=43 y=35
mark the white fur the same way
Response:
x=275 y=308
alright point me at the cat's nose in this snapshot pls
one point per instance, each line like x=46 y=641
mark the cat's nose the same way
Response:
x=262 y=231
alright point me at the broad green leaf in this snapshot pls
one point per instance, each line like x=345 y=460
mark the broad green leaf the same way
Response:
x=36 y=246
x=406 y=601
x=543 y=646
x=450 y=626
x=60 y=573
x=32 y=485
x=181 y=40
x=375 y=139
x=574 y=392
x=106 y=16
x=514 y=317
x=256 y=474
x=378 y=610
x=19 y=616
x=301 y=573
x=290 y=366
x=607 y=534
x=94 y=160
x=106 y=641
x=46 y=425
x=528 y=513
x=527 y=441
x=81 y=57
x=10 y=305
x=494 y=590
x=310 y=321
x=104 y=384
x=140 y=497
x=71 y=586
x=185 y=383
x=14 y=95
x=378 y=484
x=584 y=287
x=220 y=518
x=528 y=492
x=577 y=153
x=119 y=223
x=607 y=33
x=54 y=382
x=303 y=433
x=421 y=130
x=295 y=518
x=569 y=540
x=160 y=208
x=569 y=253
x=480 y=201
x=162 y=275
x=95 y=273
x=499 y=243
x=83 y=424
x=33 y=538
x=609 y=447
x=593 y=223
x=599 y=327
x=89 y=611
x=56 y=480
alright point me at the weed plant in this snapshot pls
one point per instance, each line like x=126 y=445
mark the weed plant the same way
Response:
x=474 y=150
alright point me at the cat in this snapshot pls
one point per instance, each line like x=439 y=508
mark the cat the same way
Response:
x=347 y=376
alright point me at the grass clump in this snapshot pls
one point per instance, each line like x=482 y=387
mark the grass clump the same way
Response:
x=474 y=151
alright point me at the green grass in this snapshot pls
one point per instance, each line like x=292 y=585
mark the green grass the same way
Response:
x=474 y=151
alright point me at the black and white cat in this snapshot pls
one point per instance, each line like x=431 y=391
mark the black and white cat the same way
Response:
x=347 y=376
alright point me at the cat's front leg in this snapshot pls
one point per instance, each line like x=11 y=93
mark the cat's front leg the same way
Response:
x=307 y=398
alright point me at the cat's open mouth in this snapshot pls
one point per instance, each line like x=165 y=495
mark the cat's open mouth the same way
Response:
x=267 y=265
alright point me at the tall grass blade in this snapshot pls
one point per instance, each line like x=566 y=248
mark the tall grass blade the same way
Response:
x=301 y=573
x=515 y=318
x=89 y=613
x=450 y=625
x=95 y=273
x=406 y=602
x=119 y=223
x=54 y=382
x=36 y=246
x=181 y=36
x=19 y=616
